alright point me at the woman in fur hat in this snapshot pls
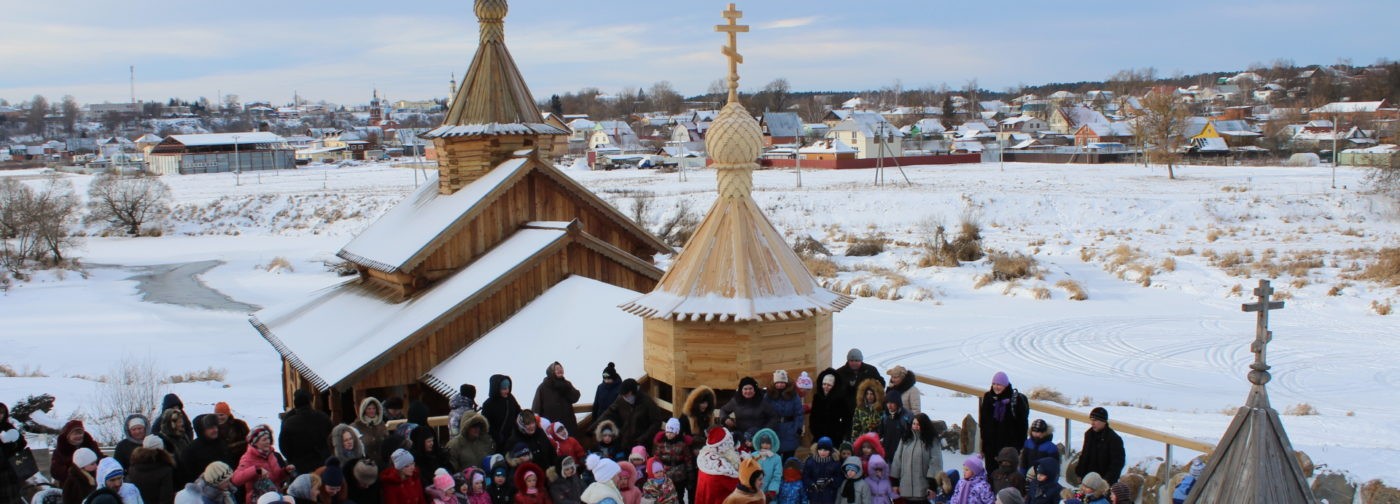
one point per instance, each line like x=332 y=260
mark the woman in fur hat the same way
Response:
x=831 y=412
x=70 y=439
x=261 y=469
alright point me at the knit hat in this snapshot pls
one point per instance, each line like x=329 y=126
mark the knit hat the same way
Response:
x=629 y=386
x=443 y=482
x=207 y=421
x=401 y=458
x=302 y=486
x=829 y=379
x=109 y=468
x=715 y=435
x=135 y=420
x=1121 y=492
x=366 y=472
x=855 y=355
x=84 y=457
x=780 y=376
x=1099 y=414
x=1039 y=425
x=217 y=473
x=638 y=451
x=258 y=432
x=467 y=390
x=333 y=476
x=824 y=443
x=804 y=382
x=153 y=443
x=892 y=396
x=748 y=380
x=1197 y=467
x=845 y=446
x=897 y=372
x=222 y=408
x=1001 y=379
x=1010 y=495
x=270 y=498
x=602 y=469
x=519 y=450
x=1096 y=483
x=975 y=465
x=673 y=426
x=561 y=431
x=610 y=372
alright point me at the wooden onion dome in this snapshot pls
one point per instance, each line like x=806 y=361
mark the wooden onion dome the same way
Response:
x=737 y=300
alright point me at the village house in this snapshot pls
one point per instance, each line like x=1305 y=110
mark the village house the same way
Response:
x=1068 y=120
x=614 y=135
x=1352 y=112
x=870 y=134
x=221 y=153
x=780 y=128
x=1092 y=133
x=497 y=244
x=830 y=149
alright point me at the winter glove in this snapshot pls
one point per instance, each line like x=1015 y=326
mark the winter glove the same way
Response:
x=9 y=436
x=772 y=496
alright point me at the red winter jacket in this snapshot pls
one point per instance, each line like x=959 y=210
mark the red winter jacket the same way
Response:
x=395 y=488
x=247 y=473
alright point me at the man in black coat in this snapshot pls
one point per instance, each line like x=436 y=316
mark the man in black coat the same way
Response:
x=1103 y=449
x=206 y=449
x=636 y=415
x=500 y=409
x=854 y=372
x=1004 y=417
x=305 y=435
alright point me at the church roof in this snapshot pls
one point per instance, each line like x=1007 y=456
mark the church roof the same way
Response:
x=348 y=326
x=493 y=98
x=408 y=233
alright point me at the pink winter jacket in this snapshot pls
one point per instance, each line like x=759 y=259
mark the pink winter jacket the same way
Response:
x=247 y=473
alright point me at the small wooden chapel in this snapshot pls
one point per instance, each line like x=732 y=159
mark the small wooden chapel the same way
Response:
x=499 y=229
x=737 y=301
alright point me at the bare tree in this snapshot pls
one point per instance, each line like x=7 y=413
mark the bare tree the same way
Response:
x=775 y=95
x=34 y=223
x=665 y=98
x=130 y=202
x=71 y=112
x=38 y=109
x=1160 y=127
x=133 y=385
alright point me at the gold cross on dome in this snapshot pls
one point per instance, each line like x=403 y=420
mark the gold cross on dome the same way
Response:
x=732 y=50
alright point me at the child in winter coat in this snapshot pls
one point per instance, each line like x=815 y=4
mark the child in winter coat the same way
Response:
x=627 y=484
x=878 y=481
x=658 y=488
x=473 y=491
x=973 y=489
x=1007 y=475
x=1092 y=490
x=821 y=475
x=947 y=484
x=399 y=483
x=1045 y=485
x=443 y=484
x=866 y=417
x=500 y=487
x=768 y=459
x=566 y=445
x=1183 y=489
x=674 y=451
x=866 y=445
x=853 y=488
x=565 y=484
x=530 y=485
x=790 y=489
x=608 y=445
x=638 y=458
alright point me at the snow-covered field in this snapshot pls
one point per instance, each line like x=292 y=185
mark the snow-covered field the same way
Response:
x=1171 y=354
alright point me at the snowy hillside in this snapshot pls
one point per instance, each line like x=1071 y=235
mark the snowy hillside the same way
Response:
x=1160 y=339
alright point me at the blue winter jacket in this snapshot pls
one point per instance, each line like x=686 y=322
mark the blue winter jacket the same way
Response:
x=821 y=478
x=789 y=413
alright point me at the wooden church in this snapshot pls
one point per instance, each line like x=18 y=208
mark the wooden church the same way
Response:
x=737 y=300
x=498 y=229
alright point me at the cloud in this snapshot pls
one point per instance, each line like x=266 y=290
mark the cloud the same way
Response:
x=788 y=23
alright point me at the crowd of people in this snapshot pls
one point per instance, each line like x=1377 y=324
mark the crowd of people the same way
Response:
x=871 y=444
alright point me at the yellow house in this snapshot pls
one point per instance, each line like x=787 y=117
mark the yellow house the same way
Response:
x=1207 y=131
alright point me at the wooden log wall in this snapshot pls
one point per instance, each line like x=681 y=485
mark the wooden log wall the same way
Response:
x=686 y=355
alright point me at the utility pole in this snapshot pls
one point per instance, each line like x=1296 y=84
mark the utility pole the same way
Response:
x=237 y=164
x=1334 y=152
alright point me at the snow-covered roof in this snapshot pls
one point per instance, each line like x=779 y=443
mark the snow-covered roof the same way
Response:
x=1211 y=144
x=581 y=125
x=967 y=145
x=341 y=329
x=151 y=138
x=1079 y=116
x=394 y=241
x=925 y=125
x=783 y=124
x=868 y=124
x=1379 y=149
x=243 y=138
x=565 y=320
x=828 y=146
x=1349 y=107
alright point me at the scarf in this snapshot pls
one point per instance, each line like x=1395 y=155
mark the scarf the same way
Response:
x=1001 y=406
x=848 y=491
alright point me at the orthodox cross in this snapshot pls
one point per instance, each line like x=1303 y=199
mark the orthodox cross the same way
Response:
x=732 y=50
x=1259 y=371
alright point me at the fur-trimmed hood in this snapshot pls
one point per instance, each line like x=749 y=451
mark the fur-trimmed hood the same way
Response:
x=145 y=456
x=541 y=479
x=606 y=425
x=772 y=439
x=471 y=418
x=872 y=385
x=837 y=387
x=692 y=402
x=338 y=433
x=379 y=407
x=871 y=439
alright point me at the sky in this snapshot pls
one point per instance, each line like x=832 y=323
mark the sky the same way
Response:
x=341 y=51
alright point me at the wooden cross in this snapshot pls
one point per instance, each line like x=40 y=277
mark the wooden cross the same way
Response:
x=1262 y=335
x=732 y=50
